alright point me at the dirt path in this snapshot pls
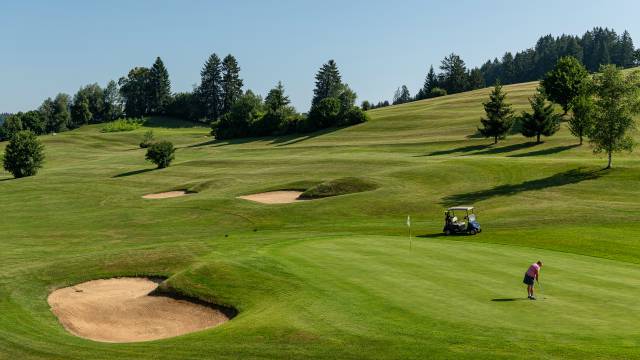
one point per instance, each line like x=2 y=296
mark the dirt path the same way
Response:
x=121 y=310
x=274 y=197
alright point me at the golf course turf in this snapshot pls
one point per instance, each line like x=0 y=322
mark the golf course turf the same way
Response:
x=335 y=278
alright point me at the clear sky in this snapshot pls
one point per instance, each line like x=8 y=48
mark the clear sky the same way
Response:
x=48 y=47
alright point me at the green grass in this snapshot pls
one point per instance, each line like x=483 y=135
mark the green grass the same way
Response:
x=337 y=187
x=120 y=125
x=334 y=278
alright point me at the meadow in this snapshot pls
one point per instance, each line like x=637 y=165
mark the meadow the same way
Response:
x=335 y=277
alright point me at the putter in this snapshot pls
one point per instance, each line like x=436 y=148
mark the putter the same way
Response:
x=541 y=289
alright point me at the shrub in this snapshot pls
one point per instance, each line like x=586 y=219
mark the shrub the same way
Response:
x=161 y=153
x=437 y=92
x=126 y=124
x=24 y=154
x=147 y=139
x=353 y=116
x=343 y=186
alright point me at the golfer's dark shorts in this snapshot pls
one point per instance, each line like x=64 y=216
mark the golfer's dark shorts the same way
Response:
x=528 y=279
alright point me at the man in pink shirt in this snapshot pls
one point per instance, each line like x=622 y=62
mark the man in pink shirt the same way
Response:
x=532 y=274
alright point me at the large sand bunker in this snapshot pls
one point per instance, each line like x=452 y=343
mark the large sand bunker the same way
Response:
x=125 y=310
x=274 y=197
x=165 y=195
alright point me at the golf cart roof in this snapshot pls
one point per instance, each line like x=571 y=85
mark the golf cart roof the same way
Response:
x=461 y=208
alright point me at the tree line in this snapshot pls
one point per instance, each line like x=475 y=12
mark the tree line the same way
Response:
x=219 y=100
x=596 y=47
x=602 y=107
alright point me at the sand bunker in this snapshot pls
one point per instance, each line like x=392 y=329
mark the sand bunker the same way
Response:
x=166 y=195
x=274 y=197
x=123 y=310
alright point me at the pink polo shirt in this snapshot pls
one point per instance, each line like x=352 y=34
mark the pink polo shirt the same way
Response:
x=533 y=271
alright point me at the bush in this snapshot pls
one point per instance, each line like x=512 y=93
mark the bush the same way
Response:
x=343 y=186
x=437 y=92
x=325 y=113
x=126 y=124
x=24 y=154
x=161 y=153
x=147 y=139
x=353 y=116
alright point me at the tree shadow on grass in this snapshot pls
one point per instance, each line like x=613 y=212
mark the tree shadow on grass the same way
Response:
x=508 y=148
x=283 y=140
x=134 y=172
x=462 y=149
x=431 y=236
x=171 y=123
x=507 y=299
x=564 y=178
x=6 y=179
x=549 y=151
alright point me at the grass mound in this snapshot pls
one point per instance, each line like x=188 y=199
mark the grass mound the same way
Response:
x=342 y=186
x=126 y=124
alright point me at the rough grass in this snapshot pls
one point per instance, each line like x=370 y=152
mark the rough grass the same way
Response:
x=120 y=125
x=342 y=186
x=336 y=278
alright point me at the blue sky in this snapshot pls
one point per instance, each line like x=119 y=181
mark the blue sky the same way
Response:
x=48 y=47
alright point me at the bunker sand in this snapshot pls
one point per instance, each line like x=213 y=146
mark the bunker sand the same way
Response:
x=123 y=310
x=166 y=195
x=274 y=197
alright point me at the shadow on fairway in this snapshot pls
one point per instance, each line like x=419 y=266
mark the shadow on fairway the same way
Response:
x=505 y=149
x=564 y=178
x=549 y=151
x=463 y=149
x=432 y=236
x=135 y=172
x=507 y=299
x=283 y=140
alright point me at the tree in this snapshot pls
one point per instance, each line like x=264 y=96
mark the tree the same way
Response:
x=231 y=83
x=11 y=126
x=366 y=105
x=61 y=116
x=112 y=101
x=34 y=121
x=237 y=122
x=430 y=82
x=499 y=115
x=542 y=121
x=455 y=74
x=161 y=153
x=565 y=82
x=625 y=51
x=159 y=88
x=210 y=90
x=277 y=113
x=402 y=95
x=23 y=155
x=134 y=89
x=616 y=102
x=276 y=100
x=324 y=114
x=80 y=114
x=581 y=122
x=147 y=139
x=328 y=82
x=476 y=80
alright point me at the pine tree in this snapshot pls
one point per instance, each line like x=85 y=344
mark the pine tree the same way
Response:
x=231 y=83
x=159 y=87
x=430 y=82
x=476 y=80
x=542 y=121
x=499 y=115
x=276 y=99
x=455 y=74
x=210 y=90
x=328 y=82
x=625 y=51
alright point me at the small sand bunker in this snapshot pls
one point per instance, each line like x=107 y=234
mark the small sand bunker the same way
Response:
x=123 y=310
x=166 y=195
x=274 y=197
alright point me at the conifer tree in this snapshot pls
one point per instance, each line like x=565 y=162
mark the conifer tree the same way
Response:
x=231 y=83
x=210 y=90
x=541 y=121
x=159 y=87
x=430 y=82
x=499 y=115
x=328 y=82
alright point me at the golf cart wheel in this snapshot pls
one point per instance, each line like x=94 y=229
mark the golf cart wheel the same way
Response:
x=472 y=232
x=447 y=232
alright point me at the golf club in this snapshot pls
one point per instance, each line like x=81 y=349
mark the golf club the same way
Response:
x=541 y=289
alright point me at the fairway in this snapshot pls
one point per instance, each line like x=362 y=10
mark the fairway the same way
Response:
x=335 y=277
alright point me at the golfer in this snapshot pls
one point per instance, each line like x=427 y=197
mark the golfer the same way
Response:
x=532 y=274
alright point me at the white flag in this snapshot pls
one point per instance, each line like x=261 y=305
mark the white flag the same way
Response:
x=409 y=220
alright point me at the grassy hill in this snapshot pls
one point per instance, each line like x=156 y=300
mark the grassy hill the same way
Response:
x=334 y=277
